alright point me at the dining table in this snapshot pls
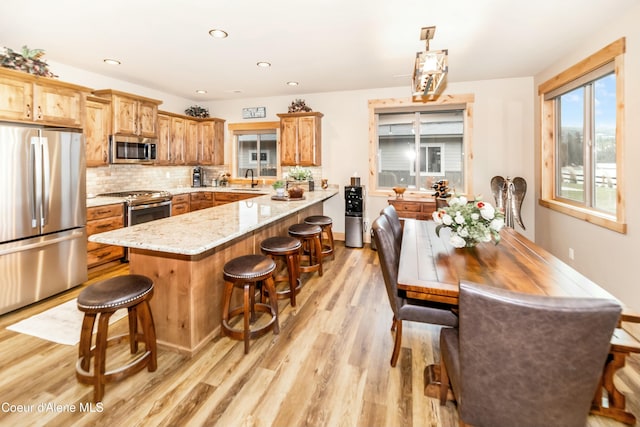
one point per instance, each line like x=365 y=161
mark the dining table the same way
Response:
x=430 y=268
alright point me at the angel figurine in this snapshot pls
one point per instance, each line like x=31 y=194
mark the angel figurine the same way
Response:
x=509 y=194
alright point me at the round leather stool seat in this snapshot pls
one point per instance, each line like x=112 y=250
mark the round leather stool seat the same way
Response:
x=114 y=293
x=98 y=302
x=310 y=237
x=325 y=222
x=246 y=272
x=287 y=248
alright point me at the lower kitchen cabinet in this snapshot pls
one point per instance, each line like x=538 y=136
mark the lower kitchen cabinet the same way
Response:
x=222 y=198
x=179 y=204
x=99 y=220
x=200 y=200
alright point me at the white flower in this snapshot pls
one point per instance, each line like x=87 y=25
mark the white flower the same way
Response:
x=459 y=218
x=436 y=217
x=463 y=232
x=457 y=241
x=454 y=201
x=463 y=200
x=475 y=216
x=497 y=224
x=446 y=219
x=487 y=212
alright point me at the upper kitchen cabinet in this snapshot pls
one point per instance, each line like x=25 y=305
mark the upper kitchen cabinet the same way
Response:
x=132 y=114
x=42 y=100
x=211 y=141
x=96 y=131
x=300 y=139
x=164 y=140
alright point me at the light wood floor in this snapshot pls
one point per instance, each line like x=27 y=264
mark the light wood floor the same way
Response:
x=328 y=367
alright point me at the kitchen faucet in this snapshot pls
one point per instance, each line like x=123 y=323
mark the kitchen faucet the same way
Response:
x=253 y=182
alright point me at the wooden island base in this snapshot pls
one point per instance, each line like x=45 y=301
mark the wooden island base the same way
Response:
x=187 y=301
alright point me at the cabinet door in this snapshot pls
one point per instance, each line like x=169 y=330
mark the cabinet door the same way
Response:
x=164 y=140
x=288 y=141
x=96 y=132
x=59 y=106
x=191 y=142
x=206 y=141
x=218 y=143
x=308 y=141
x=16 y=99
x=176 y=147
x=125 y=115
x=147 y=118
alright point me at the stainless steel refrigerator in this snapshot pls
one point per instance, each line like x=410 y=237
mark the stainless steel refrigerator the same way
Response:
x=43 y=239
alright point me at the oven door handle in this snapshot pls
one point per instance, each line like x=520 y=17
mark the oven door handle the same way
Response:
x=150 y=205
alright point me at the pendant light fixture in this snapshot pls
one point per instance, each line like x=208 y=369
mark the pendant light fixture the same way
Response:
x=430 y=70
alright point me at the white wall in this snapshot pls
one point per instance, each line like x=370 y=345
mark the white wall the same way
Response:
x=604 y=256
x=502 y=137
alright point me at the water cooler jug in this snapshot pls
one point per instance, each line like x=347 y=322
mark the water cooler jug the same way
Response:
x=353 y=220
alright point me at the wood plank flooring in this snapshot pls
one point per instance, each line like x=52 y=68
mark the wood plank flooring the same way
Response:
x=328 y=367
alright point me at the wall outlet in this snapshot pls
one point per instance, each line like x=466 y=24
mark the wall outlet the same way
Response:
x=571 y=253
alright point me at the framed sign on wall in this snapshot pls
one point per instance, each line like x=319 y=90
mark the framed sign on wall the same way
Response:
x=254 y=113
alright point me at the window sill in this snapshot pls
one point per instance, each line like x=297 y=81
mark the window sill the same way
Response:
x=593 y=217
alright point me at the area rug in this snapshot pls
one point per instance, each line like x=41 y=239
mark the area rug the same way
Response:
x=60 y=324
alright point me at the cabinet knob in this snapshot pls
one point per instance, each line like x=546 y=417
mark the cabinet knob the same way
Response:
x=39 y=113
x=28 y=112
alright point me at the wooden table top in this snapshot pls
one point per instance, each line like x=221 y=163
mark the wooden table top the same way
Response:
x=431 y=269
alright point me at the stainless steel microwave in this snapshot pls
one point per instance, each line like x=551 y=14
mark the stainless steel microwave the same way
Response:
x=131 y=149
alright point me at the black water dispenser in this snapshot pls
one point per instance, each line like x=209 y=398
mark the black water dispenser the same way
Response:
x=354 y=213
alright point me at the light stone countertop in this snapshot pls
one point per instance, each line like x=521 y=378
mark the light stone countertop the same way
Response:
x=196 y=232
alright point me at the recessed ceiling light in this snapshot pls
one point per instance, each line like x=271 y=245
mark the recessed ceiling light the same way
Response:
x=218 y=34
x=292 y=83
x=263 y=64
x=112 y=61
x=201 y=91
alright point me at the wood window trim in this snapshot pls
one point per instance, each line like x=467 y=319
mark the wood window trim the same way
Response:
x=612 y=52
x=390 y=105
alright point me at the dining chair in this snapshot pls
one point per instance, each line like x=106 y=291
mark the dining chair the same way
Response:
x=525 y=360
x=402 y=307
x=396 y=226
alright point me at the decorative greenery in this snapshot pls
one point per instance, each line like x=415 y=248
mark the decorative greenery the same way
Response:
x=299 y=173
x=278 y=184
x=470 y=223
x=298 y=106
x=197 y=111
x=28 y=61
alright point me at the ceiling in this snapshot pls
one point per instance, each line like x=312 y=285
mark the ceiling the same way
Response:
x=325 y=45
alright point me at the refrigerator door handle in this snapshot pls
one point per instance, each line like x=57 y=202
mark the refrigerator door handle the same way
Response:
x=75 y=235
x=46 y=178
x=34 y=180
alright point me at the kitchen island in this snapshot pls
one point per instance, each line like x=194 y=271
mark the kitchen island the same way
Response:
x=184 y=256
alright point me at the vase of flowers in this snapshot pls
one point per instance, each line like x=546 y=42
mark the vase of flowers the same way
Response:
x=279 y=187
x=470 y=222
x=299 y=173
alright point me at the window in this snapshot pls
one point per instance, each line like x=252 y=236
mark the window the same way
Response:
x=256 y=148
x=581 y=135
x=431 y=138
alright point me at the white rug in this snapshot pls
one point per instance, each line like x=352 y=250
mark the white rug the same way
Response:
x=61 y=324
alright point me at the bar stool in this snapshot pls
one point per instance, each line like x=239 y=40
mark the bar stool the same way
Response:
x=99 y=301
x=325 y=223
x=309 y=236
x=286 y=247
x=246 y=272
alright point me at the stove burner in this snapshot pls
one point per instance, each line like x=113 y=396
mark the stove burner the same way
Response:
x=141 y=197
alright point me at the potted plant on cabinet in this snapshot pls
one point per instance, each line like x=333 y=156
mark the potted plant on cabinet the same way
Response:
x=279 y=187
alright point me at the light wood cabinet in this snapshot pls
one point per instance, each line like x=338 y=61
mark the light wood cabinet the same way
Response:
x=211 y=142
x=164 y=140
x=33 y=99
x=99 y=220
x=414 y=207
x=191 y=142
x=222 y=198
x=132 y=114
x=96 y=131
x=300 y=139
x=200 y=200
x=180 y=204
x=176 y=144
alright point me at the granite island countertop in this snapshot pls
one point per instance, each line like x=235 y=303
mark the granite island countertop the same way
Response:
x=196 y=232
